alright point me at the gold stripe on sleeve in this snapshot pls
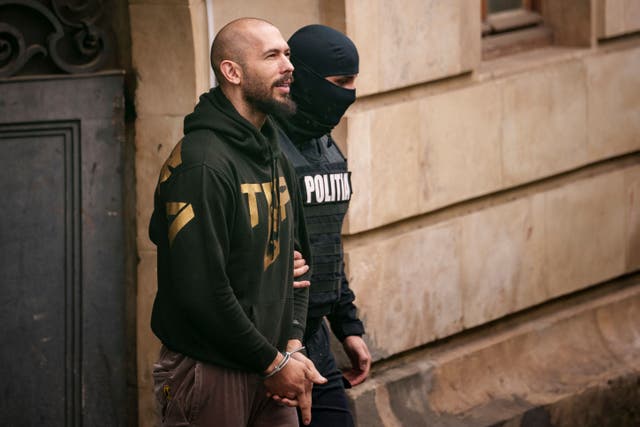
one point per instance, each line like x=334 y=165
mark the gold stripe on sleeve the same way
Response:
x=180 y=221
x=174 y=207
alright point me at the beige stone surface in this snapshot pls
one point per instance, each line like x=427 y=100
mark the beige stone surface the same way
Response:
x=543 y=364
x=408 y=288
x=610 y=17
x=384 y=155
x=414 y=41
x=585 y=232
x=632 y=189
x=632 y=15
x=164 y=57
x=201 y=47
x=363 y=28
x=409 y=158
x=358 y=152
x=416 y=155
x=147 y=343
x=460 y=152
x=617 y=17
x=493 y=261
x=502 y=260
x=155 y=138
x=287 y=15
x=544 y=122
x=614 y=103
x=542 y=357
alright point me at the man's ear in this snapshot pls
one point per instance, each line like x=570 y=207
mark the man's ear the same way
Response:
x=232 y=71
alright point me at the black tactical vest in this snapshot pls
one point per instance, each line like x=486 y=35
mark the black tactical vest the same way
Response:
x=325 y=188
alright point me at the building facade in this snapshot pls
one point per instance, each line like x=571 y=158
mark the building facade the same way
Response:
x=493 y=237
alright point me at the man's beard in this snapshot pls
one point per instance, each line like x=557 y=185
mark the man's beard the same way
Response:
x=261 y=98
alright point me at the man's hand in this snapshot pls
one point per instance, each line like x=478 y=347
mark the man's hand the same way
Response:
x=312 y=376
x=358 y=352
x=293 y=384
x=300 y=267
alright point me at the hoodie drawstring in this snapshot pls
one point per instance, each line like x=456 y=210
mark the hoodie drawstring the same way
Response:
x=275 y=214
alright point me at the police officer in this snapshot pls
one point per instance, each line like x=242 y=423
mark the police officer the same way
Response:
x=326 y=67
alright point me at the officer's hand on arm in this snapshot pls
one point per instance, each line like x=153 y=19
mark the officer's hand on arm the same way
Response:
x=358 y=352
x=300 y=267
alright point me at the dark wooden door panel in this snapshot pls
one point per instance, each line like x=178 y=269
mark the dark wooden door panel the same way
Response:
x=37 y=285
x=61 y=252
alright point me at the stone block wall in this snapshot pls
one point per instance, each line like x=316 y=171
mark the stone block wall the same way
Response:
x=169 y=57
x=617 y=17
x=456 y=269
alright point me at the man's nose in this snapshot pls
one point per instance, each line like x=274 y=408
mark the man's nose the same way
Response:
x=287 y=65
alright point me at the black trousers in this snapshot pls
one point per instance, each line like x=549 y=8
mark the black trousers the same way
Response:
x=330 y=407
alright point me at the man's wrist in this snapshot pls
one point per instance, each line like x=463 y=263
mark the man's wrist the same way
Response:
x=283 y=362
x=274 y=363
x=293 y=344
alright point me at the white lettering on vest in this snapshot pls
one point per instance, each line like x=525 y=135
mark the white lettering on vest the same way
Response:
x=326 y=188
x=310 y=187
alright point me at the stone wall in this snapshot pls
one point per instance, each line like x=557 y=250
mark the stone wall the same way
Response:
x=483 y=189
x=169 y=49
x=509 y=251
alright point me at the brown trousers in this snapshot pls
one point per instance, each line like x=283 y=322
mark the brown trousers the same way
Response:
x=192 y=393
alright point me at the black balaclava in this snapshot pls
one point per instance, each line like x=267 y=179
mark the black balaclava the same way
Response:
x=318 y=51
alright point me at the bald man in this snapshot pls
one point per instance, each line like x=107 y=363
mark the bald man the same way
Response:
x=226 y=216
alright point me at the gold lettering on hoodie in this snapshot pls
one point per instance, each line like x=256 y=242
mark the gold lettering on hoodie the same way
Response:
x=251 y=190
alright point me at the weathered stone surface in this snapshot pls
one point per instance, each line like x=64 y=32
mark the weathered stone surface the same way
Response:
x=386 y=35
x=502 y=259
x=613 y=103
x=408 y=287
x=544 y=122
x=201 y=47
x=287 y=15
x=585 y=241
x=164 y=59
x=632 y=186
x=466 y=271
x=147 y=343
x=559 y=358
x=419 y=155
x=385 y=159
x=617 y=17
x=460 y=154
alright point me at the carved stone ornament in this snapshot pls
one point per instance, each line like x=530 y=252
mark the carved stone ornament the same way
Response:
x=58 y=36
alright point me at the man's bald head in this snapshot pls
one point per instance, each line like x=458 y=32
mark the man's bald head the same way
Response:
x=233 y=41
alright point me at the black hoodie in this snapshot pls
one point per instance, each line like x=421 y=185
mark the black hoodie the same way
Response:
x=225 y=251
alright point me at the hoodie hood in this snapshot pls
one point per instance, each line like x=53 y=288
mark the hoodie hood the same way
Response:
x=216 y=113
